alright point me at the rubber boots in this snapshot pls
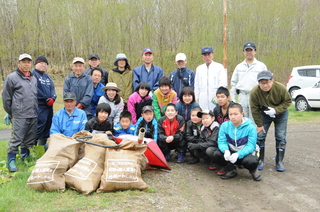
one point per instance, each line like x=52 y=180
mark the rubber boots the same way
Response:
x=24 y=153
x=279 y=157
x=12 y=167
x=261 y=158
x=181 y=157
x=256 y=176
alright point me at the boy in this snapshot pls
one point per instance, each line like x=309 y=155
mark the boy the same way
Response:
x=237 y=144
x=163 y=96
x=124 y=126
x=192 y=132
x=171 y=128
x=221 y=110
x=100 y=122
x=207 y=144
x=148 y=122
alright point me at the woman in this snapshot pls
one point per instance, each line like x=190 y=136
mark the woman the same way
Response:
x=186 y=103
x=122 y=76
x=112 y=97
x=138 y=100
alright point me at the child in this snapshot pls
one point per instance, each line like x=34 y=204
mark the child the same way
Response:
x=163 y=96
x=221 y=110
x=171 y=128
x=186 y=103
x=100 y=123
x=192 y=132
x=207 y=144
x=237 y=144
x=148 y=122
x=124 y=126
x=138 y=100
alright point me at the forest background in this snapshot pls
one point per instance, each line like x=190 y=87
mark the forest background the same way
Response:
x=286 y=33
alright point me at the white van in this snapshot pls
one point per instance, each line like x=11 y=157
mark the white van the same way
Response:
x=303 y=77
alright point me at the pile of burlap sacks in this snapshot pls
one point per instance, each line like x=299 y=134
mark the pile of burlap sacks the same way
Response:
x=86 y=167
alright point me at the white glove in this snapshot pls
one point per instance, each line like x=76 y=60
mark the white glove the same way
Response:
x=234 y=157
x=271 y=112
x=226 y=155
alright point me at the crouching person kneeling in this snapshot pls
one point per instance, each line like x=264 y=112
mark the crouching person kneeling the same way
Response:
x=237 y=144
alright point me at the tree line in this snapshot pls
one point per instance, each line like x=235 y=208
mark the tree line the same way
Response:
x=285 y=32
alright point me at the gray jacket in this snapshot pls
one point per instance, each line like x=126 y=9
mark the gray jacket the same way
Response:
x=82 y=87
x=19 y=95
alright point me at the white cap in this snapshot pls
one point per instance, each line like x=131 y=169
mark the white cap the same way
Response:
x=24 y=56
x=181 y=56
x=78 y=59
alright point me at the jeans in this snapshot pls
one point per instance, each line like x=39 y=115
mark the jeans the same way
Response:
x=280 y=126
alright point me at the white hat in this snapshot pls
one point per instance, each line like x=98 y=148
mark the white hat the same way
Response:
x=78 y=59
x=181 y=56
x=24 y=56
x=120 y=56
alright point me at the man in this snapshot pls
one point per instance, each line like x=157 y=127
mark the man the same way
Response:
x=81 y=85
x=209 y=77
x=269 y=102
x=69 y=120
x=46 y=99
x=182 y=77
x=96 y=75
x=94 y=61
x=147 y=72
x=244 y=77
x=19 y=98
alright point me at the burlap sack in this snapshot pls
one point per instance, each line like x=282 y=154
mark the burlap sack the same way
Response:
x=123 y=167
x=85 y=175
x=48 y=172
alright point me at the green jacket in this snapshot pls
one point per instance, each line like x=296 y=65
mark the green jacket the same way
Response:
x=278 y=98
x=123 y=81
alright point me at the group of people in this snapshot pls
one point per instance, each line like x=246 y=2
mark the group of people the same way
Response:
x=186 y=111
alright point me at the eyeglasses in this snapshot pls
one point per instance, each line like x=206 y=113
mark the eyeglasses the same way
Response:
x=265 y=83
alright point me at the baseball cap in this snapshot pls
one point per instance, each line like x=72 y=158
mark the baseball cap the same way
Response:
x=147 y=108
x=207 y=49
x=78 y=59
x=120 y=56
x=181 y=56
x=24 y=56
x=147 y=50
x=264 y=75
x=41 y=59
x=209 y=112
x=249 y=45
x=69 y=96
x=93 y=56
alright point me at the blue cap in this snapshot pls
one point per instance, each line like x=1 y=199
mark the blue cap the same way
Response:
x=249 y=45
x=147 y=50
x=207 y=49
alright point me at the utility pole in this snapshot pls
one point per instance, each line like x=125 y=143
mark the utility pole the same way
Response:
x=225 y=34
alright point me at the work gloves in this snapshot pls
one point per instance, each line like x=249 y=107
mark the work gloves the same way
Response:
x=193 y=146
x=50 y=102
x=230 y=157
x=226 y=155
x=270 y=112
x=79 y=106
x=7 y=119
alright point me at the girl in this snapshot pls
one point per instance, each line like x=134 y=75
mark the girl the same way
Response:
x=100 y=123
x=186 y=103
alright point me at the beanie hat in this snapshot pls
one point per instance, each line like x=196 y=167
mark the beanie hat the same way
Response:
x=41 y=59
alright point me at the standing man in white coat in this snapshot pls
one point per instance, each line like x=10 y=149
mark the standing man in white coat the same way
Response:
x=209 y=77
x=244 y=78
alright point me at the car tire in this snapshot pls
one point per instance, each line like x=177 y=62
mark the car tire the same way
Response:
x=292 y=90
x=302 y=104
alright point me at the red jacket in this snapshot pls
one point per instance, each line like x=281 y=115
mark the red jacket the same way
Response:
x=168 y=128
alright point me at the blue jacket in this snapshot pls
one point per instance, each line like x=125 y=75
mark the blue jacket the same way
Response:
x=140 y=74
x=150 y=127
x=118 y=130
x=82 y=87
x=241 y=139
x=62 y=123
x=187 y=76
x=185 y=110
x=97 y=93
x=46 y=87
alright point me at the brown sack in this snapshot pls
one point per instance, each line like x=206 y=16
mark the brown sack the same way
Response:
x=123 y=167
x=85 y=175
x=61 y=155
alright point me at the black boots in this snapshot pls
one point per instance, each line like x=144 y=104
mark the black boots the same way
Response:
x=279 y=157
x=256 y=176
x=261 y=158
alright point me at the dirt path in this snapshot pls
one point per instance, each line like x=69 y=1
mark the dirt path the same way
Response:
x=195 y=188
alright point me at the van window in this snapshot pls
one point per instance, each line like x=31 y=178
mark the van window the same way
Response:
x=308 y=72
